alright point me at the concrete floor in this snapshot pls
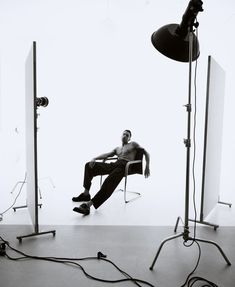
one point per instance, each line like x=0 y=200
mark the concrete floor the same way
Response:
x=132 y=248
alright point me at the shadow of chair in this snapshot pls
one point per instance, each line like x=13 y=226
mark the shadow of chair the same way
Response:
x=132 y=167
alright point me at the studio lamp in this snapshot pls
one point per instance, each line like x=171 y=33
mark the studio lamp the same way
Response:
x=172 y=40
x=178 y=42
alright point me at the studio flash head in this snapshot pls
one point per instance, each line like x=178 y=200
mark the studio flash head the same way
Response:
x=43 y=101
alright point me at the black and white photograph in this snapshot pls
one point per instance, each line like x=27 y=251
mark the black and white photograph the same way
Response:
x=116 y=143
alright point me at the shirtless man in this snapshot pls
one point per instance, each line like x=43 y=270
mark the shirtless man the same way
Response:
x=115 y=170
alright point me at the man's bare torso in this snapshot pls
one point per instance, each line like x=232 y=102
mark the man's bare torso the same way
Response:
x=127 y=151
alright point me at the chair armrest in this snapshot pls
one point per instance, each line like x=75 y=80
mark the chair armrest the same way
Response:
x=109 y=158
x=130 y=163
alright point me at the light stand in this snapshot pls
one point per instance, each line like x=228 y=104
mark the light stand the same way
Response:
x=31 y=105
x=162 y=35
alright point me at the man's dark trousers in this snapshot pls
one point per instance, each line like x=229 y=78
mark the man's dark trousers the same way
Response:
x=116 y=171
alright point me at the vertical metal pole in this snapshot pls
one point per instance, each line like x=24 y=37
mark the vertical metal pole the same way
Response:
x=188 y=142
x=36 y=224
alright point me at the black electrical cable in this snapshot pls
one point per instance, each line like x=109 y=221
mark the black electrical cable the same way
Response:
x=189 y=282
x=199 y=256
x=23 y=182
x=198 y=279
x=70 y=261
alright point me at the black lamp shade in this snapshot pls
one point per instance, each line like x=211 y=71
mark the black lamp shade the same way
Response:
x=170 y=44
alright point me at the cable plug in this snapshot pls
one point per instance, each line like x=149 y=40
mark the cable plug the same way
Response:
x=101 y=255
x=2 y=249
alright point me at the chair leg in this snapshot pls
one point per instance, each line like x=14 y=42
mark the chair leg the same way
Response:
x=125 y=191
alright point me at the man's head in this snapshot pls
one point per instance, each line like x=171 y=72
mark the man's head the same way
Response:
x=126 y=136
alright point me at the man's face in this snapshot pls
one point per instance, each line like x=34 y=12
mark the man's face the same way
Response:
x=126 y=137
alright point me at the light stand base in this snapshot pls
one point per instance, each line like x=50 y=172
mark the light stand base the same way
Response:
x=208 y=223
x=24 y=206
x=35 y=234
x=205 y=223
x=225 y=203
x=161 y=245
x=198 y=221
x=189 y=238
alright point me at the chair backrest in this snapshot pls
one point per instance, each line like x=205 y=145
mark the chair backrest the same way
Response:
x=137 y=167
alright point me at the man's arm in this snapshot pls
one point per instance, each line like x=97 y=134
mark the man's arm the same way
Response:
x=105 y=155
x=102 y=156
x=147 y=160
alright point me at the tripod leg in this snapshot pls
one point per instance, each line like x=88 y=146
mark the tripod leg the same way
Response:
x=214 y=243
x=225 y=203
x=177 y=223
x=160 y=247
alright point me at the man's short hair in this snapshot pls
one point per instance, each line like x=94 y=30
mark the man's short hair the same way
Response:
x=128 y=132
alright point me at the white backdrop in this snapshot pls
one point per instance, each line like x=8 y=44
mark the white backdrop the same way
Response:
x=97 y=66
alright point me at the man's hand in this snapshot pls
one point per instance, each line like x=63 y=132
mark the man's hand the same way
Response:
x=92 y=163
x=147 y=172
